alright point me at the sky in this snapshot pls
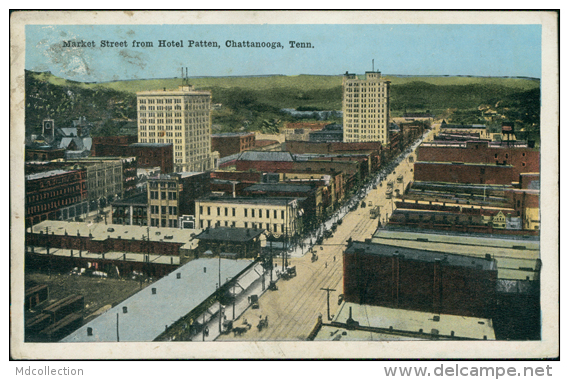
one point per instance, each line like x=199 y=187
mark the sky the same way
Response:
x=403 y=49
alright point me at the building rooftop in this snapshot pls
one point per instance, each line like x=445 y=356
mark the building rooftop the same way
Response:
x=398 y=324
x=461 y=126
x=230 y=234
x=251 y=155
x=148 y=314
x=101 y=231
x=280 y=187
x=149 y=145
x=232 y=134
x=278 y=201
x=50 y=173
x=138 y=199
x=516 y=257
x=422 y=255
x=315 y=156
x=134 y=257
x=180 y=91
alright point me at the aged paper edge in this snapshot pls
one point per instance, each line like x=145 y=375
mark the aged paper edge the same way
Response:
x=548 y=347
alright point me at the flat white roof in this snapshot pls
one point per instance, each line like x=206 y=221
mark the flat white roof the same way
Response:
x=149 y=314
x=411 y=321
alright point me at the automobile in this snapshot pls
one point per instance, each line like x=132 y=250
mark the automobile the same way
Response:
x=254 y=301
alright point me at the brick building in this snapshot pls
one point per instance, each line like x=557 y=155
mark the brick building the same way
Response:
x=311 y=194
x=458 y=172
x=111 y=146
x=522 y=159
x=150 y=155
x=50 y=191
x=65 y=245
x=44 y=153
x=242 y=242
x=232 y=182
x=231 y=143
x=414 y=279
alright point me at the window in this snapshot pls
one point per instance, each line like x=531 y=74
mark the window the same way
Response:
x=282 y=214
x=252 y=213
x=245 y=210
x=233 y=213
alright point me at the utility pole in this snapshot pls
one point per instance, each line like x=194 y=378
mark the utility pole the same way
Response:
x=328 y=290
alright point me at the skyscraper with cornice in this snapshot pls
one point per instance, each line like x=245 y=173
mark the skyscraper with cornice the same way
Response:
x=365 y=106
x=179 y=117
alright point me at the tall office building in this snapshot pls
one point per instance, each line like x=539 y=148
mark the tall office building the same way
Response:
x=365 y=107
x=180 y=117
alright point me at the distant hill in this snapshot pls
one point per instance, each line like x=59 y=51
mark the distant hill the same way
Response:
x=249 y=101
x=308 y=82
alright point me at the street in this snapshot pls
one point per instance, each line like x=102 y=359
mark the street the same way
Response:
x=293 y=309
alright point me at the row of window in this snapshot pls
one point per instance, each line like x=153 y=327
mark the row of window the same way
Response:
x=51 y=205
x=271 y=227
x=159 y=101
x=246 y=212
x=172 y=223
x=171 y=195
x=164 y=210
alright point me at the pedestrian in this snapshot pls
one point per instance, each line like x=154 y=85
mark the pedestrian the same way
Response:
x=334 y=258
x=326 y=264
x=206 y=331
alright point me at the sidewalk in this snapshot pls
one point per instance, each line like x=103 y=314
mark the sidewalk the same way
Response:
x=310 y=240
x=258 y=286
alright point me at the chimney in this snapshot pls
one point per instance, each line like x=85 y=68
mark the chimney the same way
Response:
x=124 y=309
x=178 y=275
x=153 y=290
